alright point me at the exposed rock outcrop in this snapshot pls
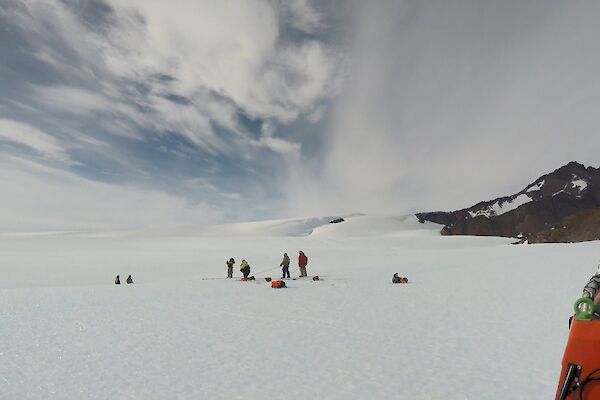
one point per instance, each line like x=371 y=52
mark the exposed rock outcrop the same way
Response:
x=541 y=205
x=579 y=227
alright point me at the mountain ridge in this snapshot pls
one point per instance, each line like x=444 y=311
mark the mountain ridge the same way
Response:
x=572 y=188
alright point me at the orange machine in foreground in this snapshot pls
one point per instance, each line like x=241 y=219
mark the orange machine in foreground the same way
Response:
x=580 y=375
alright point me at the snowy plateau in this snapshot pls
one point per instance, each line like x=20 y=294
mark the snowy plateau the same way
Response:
x=479 y=319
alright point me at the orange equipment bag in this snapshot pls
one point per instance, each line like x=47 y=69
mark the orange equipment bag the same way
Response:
x=580 y=374
x=277 y=284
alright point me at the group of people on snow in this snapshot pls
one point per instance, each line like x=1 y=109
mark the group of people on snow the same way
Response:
x=244 y=268
x=118 y=280
x=285 y=266
x=399 y=279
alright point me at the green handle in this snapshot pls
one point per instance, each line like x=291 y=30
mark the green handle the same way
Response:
x=587 y=314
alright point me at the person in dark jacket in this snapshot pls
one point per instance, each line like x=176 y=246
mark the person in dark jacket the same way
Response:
x=117 y=280
x=129 y=280
x=245 y=269
x=302 y=263
x=230 y=264
x=396 y=278
x=285 y=266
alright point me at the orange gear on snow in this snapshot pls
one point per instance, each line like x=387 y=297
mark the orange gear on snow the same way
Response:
x=583 y=350
x=277 y=284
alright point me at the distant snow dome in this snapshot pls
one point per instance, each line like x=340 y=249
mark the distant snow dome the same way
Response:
x=579 y=183
x=536 y=187
x=499 y=208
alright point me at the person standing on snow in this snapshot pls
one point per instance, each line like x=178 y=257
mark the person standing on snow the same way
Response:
x=285 y=264
x=117 y=280
x=302 y=263
x=230 y=264
x=245 y=268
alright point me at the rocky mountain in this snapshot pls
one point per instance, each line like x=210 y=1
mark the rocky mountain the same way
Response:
x=542 y=205
x=579 y=227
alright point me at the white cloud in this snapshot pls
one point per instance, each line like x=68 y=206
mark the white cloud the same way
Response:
x=280 y=145
x=302 y=15
x=225 y=58
x=276 y=144
x=209 y=71
x=40 y=198
x=229 y=48
x=27 y=135
x=317 y=115
x=449 y=104
x=72 y=99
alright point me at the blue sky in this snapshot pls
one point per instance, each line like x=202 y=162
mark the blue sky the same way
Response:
x=124 y=113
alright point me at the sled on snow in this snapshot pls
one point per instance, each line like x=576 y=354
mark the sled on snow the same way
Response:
x=580 y=375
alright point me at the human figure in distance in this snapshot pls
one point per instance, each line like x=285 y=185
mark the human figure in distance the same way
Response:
x=302 y=263
x=245 y=269
x=285 y=266
x=230 y=264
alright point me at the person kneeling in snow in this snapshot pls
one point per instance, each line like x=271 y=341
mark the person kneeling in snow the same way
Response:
x=129 y=280
x=396 y=278
x=245 y=269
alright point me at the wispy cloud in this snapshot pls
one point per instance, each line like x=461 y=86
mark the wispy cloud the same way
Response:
x=34 y=139
x=259 y=107
x=221 y=60
x=71 y=100
x=450 y=103
x=150 y=94
x=37 y=197
x=302 y=15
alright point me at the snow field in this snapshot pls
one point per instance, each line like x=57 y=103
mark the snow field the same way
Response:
x=481 y=319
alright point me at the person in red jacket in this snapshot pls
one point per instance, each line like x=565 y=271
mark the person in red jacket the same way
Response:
x=302 y=262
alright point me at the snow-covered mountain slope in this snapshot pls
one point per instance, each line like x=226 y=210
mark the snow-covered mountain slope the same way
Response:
x=566 y=191
x=377 y=226
x=480 y=318
x=283 y=227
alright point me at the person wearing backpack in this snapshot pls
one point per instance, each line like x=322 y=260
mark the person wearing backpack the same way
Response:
x=302 y=263
x=285 y=264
